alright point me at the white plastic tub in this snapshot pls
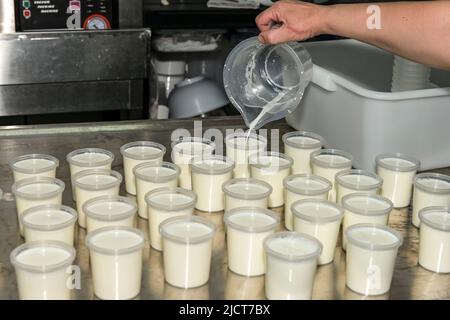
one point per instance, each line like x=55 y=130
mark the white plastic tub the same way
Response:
x=349 y=103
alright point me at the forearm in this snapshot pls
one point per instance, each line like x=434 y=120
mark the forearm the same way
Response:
x=419 y=31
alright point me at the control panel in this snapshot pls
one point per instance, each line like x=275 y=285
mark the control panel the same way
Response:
x=34 y=15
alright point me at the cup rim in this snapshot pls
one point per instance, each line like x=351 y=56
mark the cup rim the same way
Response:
x=116 y=252
x=292 y=257
x=428 y=210
x=301 y=145
x=247 y=181
x=189 y=139
x=253 y=160
x=358 y=186
x=109 y=199
x=334 y=152
x=195 y=168
x=315 y=219
x=243 y=134
x=372 y=246
x=42 y=243
x=125 y=153
x=298 y=190
x=415 y=164
x=48 y=207
x=187 y=240
x=52 y=166
x=24 y=182
x=157 y=179
x=169 y=206
x=434 y=176
x=252 y=211
x=104 y=172
x=91 y=164
x=367 y=211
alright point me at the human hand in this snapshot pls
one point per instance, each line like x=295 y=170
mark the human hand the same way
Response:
x=290 y=20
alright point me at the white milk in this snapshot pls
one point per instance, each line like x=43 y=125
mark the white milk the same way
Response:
x=32 y=192
x=239 y=147
x=88 y=158
x=352 y=181
x=116 y=262
x=90 y=184
x=246 y=192
x=430 y=189
x=49 y=222
x=208 y=176
x=34 y=165
x=291 y=263
x=397 y=171
x=328 y=162
x=165 y=203
x=183 y=150
x=434 y=249
x=187 y=244
x=272 y=167
x=364 y=208
x=246 y=230
x=150 y=176
x=108 y=211
x=320 y=219
x=299 y=187
x=138 y=152
x=299 y=145
x=41 y=270
x=370 y=260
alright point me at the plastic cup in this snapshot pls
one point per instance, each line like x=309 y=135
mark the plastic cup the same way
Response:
x=34 y=165
x=320 y=219
x=364 y=208
x=370 y=260
x=353 y=181
x=186 y=148
x=41 y=270
x=299 y=145
x=138 y=152
x=116 y=262
x=33 y=192
x=430 y=189
x=239 y=147
x=165 y=203
x=272 y=167
x=291 y=265
x=187 y=243
x=150 y=176
x=246 y=192
x=434 y=244
x=328 y=162
x=49 y=222
x=208 y=176
x=109 y=211
x=397 y=171
x=90 y=184
x=299 y=187
x=246 y=230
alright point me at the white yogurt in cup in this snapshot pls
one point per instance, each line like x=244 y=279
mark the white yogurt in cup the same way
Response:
x=272 y=167
x=430 y=189
x=116 y=262
x=32 y=192
x=187 y=244
x=299 y=187
x=88 y=158
x=41 y=270
x=328 y=162
x=397 y=171
x=94 y=183
x=246 y=230
x=49 y=222
x=246 y=192
x=353 y=181
x=291 y=263
x=208 y=176
x=370 y=260
x=364 y=208
x=34 y=165
x=186 y=148
x=299 y=145
x=434 y=244
x=320 y=219
x=239 y=147
x=108 y=211
x=138 y=152
x=165 y=203
x=150 y=176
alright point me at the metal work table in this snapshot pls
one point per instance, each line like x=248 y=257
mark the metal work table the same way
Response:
x=410 y=280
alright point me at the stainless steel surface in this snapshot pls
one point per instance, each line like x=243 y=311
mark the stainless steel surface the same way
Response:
x=131 y=13
x=7 y=16
x=410 y=281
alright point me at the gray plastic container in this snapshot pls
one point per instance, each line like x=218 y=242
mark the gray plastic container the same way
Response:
x=349 y=103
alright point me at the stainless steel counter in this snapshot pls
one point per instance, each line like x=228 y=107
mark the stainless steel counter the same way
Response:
x=410 y=281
